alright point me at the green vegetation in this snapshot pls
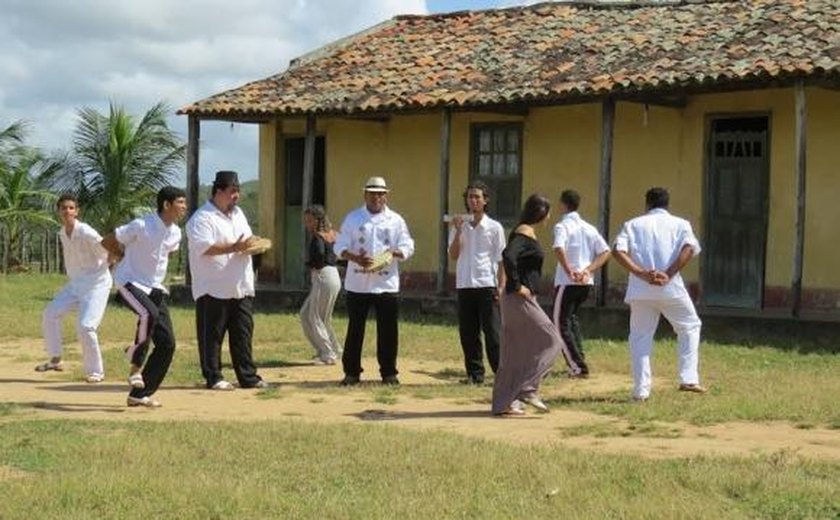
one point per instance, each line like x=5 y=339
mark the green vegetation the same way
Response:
x=290 y=468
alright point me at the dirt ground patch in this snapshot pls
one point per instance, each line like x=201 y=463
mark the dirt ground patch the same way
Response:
x=308 y=393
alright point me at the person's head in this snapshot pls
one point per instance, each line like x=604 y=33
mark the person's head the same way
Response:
x=476 y=197
x=657 y=198
x=315 y=219
x=376 y=194
x=570 y=199
x=225 y=191
x=67 y=207
x=535 y=210
x=171 y=204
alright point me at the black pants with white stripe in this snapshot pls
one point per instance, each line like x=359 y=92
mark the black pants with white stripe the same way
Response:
x=386 y=307
x=478 y=311
x=213 y=318
x=155 y=325
x=567 y=301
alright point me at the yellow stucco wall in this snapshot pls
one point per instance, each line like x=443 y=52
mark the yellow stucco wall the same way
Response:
x=561 y=145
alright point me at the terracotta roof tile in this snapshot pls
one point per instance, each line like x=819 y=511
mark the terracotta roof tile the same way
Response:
x=544 y=53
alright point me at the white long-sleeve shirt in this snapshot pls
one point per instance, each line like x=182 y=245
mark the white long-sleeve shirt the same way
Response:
x=654 y=241
x=373 y=233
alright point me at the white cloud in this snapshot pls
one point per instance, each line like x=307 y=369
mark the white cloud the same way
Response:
x=58 y=56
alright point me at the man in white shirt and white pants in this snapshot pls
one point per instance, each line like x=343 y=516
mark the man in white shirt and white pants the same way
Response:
x=654 y=248
x=366 y=234
x=223 y=285
x=476 y=242
x=580 y=252
x=86 y=263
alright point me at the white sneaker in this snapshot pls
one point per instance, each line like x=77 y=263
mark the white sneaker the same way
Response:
x=222 y=385
x=94 y=378
x=146 y=401
x=535 y=401
x=136 y=381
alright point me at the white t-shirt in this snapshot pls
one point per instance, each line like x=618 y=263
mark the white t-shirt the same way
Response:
x=220 y=276
x=148 y=243
x=654 y=241
x=581 y=243
x=375 y=233
x=85 y=260
x=481 y=252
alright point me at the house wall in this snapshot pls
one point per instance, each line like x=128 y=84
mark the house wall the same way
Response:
x=561 y=146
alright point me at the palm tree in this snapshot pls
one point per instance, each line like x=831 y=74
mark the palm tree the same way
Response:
x=24 y=199
x=117 y=163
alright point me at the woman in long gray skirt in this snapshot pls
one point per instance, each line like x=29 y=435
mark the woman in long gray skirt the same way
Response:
x=530 y=342
x=317 y=310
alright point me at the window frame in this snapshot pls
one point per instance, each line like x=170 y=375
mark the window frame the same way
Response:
x=476 y=130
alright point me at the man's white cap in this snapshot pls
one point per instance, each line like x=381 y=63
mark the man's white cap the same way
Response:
x=376 y=184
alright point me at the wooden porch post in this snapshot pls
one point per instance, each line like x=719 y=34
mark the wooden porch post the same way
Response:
x=604 y=188
x=308 y=183
x=799 y=241
x=193 y=136
x=443 y=256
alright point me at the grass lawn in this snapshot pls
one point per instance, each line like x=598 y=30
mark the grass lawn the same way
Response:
x=291 y=469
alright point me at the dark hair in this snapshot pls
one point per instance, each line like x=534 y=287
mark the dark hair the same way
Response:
x=322 y=222
x=169 y=194
x=65 y=197
x=571 y=199
x=535 y=210
x=657 y=198
x=476 y=185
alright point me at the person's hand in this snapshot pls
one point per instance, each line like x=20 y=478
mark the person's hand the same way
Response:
x=580 y=277
x=363 y=259
x=658 y=278
x=240 y=245
x=457 y=222
x=524 y=292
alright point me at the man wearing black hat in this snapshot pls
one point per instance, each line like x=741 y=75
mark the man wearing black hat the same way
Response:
x=373 y=239
x=223 y=284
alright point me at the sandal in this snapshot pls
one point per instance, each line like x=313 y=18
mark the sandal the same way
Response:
x=49 y=365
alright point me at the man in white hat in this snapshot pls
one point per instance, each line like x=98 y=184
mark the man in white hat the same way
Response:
x=374 y=239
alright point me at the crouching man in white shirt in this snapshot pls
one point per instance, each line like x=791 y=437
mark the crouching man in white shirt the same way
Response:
x=654 y=248
x=367 y=234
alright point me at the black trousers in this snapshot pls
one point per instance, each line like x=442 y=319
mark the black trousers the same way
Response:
x=215 y=317
x=386 y=307
x=478 y=311
x=153 y=324
x=567 y=301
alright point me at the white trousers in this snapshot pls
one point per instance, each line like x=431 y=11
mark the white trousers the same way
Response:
x=644 y=318
x=91 y=303
x=316 y=313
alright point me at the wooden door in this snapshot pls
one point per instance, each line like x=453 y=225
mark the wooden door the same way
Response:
x=293 y=268
x=736 y=213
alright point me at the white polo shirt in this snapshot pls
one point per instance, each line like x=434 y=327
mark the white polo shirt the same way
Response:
x=220 y=276
x=148 y=243
x=374 y=233
x=481 y=252
x=581 y=243
x=654 y=241
x=85 y=260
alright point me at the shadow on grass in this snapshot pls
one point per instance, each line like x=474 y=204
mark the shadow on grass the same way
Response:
x=387 y=415
x=84 y=387
x=282 y=363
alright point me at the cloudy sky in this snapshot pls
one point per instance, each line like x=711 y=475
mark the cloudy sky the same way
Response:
x=58 y=56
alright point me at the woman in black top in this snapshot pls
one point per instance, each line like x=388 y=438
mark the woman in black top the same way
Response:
x=530 y=342
x=316 y=313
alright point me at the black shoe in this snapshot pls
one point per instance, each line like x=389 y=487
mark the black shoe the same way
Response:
x=350 y=381
x=390 y=380
x=472 y=380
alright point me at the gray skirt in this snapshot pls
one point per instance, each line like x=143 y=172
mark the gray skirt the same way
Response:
x=530 y=344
